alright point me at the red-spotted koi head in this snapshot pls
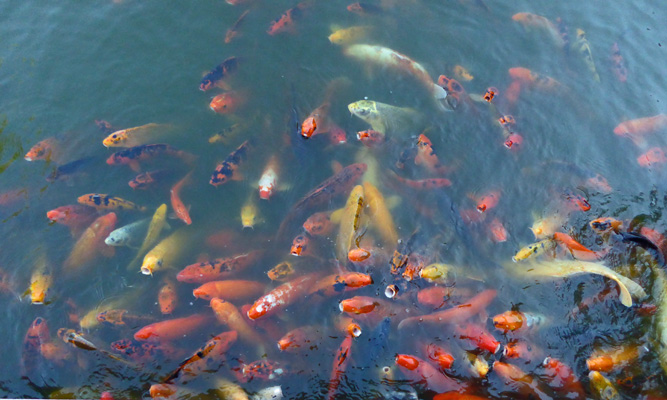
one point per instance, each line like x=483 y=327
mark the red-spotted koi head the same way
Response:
x=227 y=103
x=299 y=245
x=407 y=361
x=513 y=141
x=40 y=151
x=308 y=127
x=370 y=138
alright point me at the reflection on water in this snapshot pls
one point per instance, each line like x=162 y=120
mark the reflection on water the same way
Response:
x=573 y=132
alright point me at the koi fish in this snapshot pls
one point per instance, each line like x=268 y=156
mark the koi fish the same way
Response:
x=479 y=336
x=158 y=222
x=145 y=180
x=338 y=283
x=653 y=157
x=438 y=355
x=217 y=74
x=319 y=224
x=227 y=314
x=282 y=296
x=172 y=329
x=349 y=231
x=286 y=22
x=31 y=355
x=423 y=184
x=229 y=290
x=72 y=169
x=636 y=129
x=182 y=212
x=487 y=201
x=167 y=297
x=385 y=118
x=300 y=245
x=47 y=150
x=490 y=94
x=426 y=156
x=249 y=213
x=107 y=202
x=347 y=36
x=546 y=226
x=265 y=370
x=359 y=305
x=228 y=102
x=233 y=30
x=133 y=155
x=456 y=94
x=517 y=320
x=281 y=272
x=269 y=180
x=300 y=338
x=228 y=134
x=370 y=137
x=121 y=317
x=610 y=360
x=128 y=235
x=212 y=350
x=380 y=215
x=618 y=64
x=521 y=382
x=460 y=72
x=41 y=280
x=219 y=268
x=136 y=136
x=91 y=243
x=364 y=8
x=533 y=79
x=387 y=58
x=418 y=370
x=341 y=360
x=562 y=379
x=529 y=20
x=227 y=170
x=584 y=49
x=75 y=216
x=168 y=252
x=497 y=231
x=455 y=314
x=602 y=386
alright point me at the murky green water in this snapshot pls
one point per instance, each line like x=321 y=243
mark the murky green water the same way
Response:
x=65 y=65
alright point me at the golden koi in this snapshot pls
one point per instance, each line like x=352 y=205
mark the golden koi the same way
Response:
x=155 y=227
x=136 y=136
x=168 y=252
x=350 y=223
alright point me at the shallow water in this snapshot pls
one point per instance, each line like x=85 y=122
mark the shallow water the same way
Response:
x=64 y=66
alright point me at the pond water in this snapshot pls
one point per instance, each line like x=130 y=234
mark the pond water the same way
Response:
x=65 y=66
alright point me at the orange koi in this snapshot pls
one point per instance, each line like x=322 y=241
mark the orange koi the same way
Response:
x=490 y=94
x=180 y=209
x=487 y=201
x=370 y=137
x=172 y=329
x=533 y=79
x=339 y=365
x=479 y=336
x=300 y=245
x=607 y=361
x=300 y=338
x=513 y=141
x=218 y=268
x=367 y=257
x=523 y=383
x=618 y=64
x=498 y=231
x=228 y=102
x=359 y=305
x=228 y=314
x=435 y=296
x=227 y=170
x=167 y=297
x=438 y=355
x=570 y=243
x=233 y=31
x=513 y=92
x=578 y=201
x=418 y=371
x=107 y=202
x=268 y=182
x=308 y=127
x=76 y=217
x=606 y=224
x=455 y=314
x=521 y=349
x=282 y=296
x=636 y=129
x=286 y=22
x=47 y=150
x=229 y=290
x=423 y=184
x=427 y=158
x=91 y=243
x=562 y=379
x=516 y=320
x=654 y=156
x=319 y=224
x=338 y=283
x=263 y=369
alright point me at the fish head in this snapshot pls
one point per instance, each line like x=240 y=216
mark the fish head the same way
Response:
x=364 y=109
x=58 y=214
x=40 y=151
x=115 y=239
x=265 y=191
x=205 y=85
x=223 y=103
x=115 y=139
x=150 y=264
x=249 y=216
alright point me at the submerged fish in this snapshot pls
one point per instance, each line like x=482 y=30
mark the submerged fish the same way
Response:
x=128 y=235
x=217 y=74
x=136 y=136
x=385 y=118
x=582 y=47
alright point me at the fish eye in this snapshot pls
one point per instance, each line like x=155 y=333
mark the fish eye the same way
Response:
x=159 y=263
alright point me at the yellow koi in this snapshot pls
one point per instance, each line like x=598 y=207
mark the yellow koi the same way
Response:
x=350 y=222
x=168 y=252
x=381 y=217
x=40 y=280
x=155 y=227
x=136 y=136
x=535 y=249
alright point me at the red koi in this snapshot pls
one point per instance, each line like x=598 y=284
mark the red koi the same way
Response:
x=479 y=336
x=228 y=102
x=319 y=224
x=180 y=209
x=339 y=365
x=577 y=200
x=363 y=8
x=421 y=371
x=455 y=314
x=286 y=22
x=167 y=297
x=521 y=349
x=338 y=283
x=37 y=334
x=513 y=141
x=427 y=158
x=75 y=216
x=487 y=201
x=435 y=296
x=636 y=129
x=229 y=290
x=308 y=127
x=269 y=179
x=562 y=379
x=265 y=370
x=424 y=184
x=171 y=329
x=578 y=250
x=370 y=138
x=513 y=92
x=498 y=231
x=302 y=338
x=438 y=355
x=227 y=170
x=653 y=157
x=282 y=296
x=218 y=268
